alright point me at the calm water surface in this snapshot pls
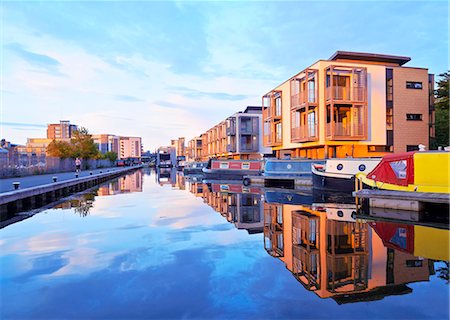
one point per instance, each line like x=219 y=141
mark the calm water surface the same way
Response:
x=157 y=246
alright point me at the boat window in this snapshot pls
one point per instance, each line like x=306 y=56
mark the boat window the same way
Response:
x=340 y=166
x=362 y=167
x=399 y=168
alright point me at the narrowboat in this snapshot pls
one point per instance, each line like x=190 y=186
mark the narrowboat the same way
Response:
x=414 y=171
x=231 y=169
x=287 y=168
x=194 y=168
x=339 y=174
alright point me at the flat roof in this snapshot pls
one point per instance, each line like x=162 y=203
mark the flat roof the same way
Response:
x=364 y=56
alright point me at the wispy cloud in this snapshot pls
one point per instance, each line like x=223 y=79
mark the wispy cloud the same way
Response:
x=192 y=93
x=126 y=98
x=41 y=61
x=22 y=124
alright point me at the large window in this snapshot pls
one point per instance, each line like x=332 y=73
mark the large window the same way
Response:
x=312 y=124
x=311 y=91
x=278 y=106
x=278 y=132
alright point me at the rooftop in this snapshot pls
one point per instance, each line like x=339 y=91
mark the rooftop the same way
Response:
x=348 y=55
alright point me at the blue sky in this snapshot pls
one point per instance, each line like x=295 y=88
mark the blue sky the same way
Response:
x=161 y=70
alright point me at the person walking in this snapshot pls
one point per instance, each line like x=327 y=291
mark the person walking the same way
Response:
x=78 y=165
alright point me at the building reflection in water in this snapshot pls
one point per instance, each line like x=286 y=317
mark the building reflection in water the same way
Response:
x=82 y=203
x=166 y=176
x=240 y=205
x=336 y=256
x=126 y=184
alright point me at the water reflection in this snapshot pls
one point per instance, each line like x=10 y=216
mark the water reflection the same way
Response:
x=328 y=250
x=166 y=176
x=240 y=205
x=84 y=202
x=164 y=252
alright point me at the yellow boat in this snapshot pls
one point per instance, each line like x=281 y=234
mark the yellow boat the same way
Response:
x=416 y=171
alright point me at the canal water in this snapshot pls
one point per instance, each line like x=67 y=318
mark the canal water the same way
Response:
x=160 y=245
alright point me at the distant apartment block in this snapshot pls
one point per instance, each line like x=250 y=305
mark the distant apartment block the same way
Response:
x=130 y=147
x=353 y=104
x=179 y=145
x=194 y=149
x=61 y=130
x=237 y=137
x=107 y=142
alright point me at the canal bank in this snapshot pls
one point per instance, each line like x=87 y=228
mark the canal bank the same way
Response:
x=42 y=194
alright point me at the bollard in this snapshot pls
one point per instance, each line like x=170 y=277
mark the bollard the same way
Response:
x=101 y=171
x=90 y=173
x=76 y=175
x=55 y=179
x=16 y=185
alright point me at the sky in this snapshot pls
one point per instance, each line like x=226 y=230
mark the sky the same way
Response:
x=163 y=70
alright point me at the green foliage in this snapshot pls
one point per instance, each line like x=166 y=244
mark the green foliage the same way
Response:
x=60 y=149
x=80 y=146
x=442 y=110
x=84 y=146
x=111 y=156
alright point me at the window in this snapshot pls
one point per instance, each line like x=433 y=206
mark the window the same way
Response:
x=278 y=106
x=389 y=87
x=380 y=149
x=413 y=85
x=414 y=263
x=311 y=91
x=278 y=132
x=412 y=147
x=399 y=168
x=312 y=124
x=389 y=119
x=414 y=116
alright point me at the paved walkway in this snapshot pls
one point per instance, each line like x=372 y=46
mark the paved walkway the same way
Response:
x=33 y=181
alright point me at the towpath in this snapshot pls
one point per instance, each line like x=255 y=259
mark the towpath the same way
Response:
x=37 y=180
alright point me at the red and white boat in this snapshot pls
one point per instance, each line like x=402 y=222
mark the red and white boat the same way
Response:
x=231 y=169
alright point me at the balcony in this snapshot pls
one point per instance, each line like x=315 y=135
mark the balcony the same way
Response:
x=304 y=134
x=349 y=131
x=339 y=93
x=231 y=147
x=231 y=131
x=249 y=147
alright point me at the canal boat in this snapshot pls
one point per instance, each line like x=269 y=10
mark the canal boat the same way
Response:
x=275 y=168
x=339 y=174
x=191 y=168
x=415 y=171
x=231 y=169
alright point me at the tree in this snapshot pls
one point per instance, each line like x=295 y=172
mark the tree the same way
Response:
x=60 y=149
x=442 y=110
x=111 y=156
x=84 y=146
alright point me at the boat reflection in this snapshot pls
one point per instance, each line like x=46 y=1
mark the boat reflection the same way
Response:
x=337 y=256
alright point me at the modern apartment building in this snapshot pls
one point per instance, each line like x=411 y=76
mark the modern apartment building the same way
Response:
x=353 y=104
x=237 y=137
x=179 y=145
x=129 y=147
x=61 y=130
x=194 y=149
x=107 y=142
